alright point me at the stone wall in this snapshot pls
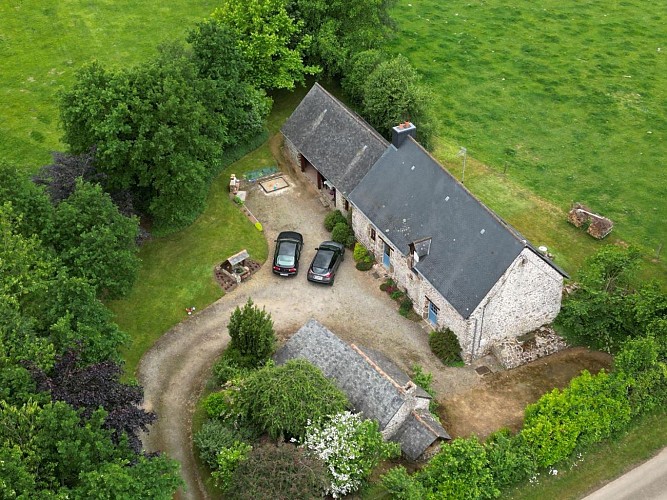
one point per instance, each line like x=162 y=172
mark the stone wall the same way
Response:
x=517 y=351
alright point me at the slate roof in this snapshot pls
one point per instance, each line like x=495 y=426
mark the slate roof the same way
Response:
x=336 y=141
x=409 y=197
x=372 y=383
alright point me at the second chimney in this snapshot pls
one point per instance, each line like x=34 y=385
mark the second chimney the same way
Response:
x=400 y=132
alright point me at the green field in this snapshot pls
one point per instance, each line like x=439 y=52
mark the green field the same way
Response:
x=44 y=42
x=565 y=99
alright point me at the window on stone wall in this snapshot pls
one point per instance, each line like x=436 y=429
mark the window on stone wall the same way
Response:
x=433 y=311
x=346 y=204
x=372 y=233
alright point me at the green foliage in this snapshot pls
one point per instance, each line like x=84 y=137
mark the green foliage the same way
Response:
x=364 y=266
x=251 y=330
x=405 y=307
x=340 y=29
x=397 y=294
x=393 y=94
x=216 y=403
x=460 y=470
x=401 y=485
x=269 y=40
x=607 y=309
x=280 y=471
x=228 y=460
x=217 y=434
x=361 y=65
x=351 y=447
x=342 y=233
x=283 y=400
x=31 y=206
x=332 y=219
x=445 y=345
x=641 y=365
x=510 y=460
x=592 y=408
x=232 y=365
x=95 y=241
x=425 y=381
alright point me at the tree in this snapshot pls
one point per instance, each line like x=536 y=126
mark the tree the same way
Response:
x=270 y=41
x=251 y=330
x=98 y=386
x=95 y=241
x=341 y=29
x=31 y=210
x=241 y=107
x=61 y=175
x=283 y=400
x=361 y=65
x=394 y=94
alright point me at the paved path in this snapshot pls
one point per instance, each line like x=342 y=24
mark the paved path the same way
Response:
x=174 y=371
x=646 y=482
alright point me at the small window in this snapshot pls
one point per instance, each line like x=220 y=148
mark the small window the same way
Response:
x=346 y=204
x=372 y=234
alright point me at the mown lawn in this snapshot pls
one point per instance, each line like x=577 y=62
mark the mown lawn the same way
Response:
x=568 y=99
x=44 y=42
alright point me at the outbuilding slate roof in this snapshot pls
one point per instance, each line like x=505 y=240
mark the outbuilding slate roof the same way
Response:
x=336 y=141
x=410 y=197
x=373 y=384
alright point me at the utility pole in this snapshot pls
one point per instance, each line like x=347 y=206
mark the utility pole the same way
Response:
x=463 y=152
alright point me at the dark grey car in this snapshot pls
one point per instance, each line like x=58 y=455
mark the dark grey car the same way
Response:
x=288 y=251
x=325 y=263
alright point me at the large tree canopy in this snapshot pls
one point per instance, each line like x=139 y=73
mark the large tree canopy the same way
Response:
x=340 y=29
x=270 y=40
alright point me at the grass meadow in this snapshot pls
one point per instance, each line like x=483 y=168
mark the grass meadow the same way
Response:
x=558 y=102
x=44 y=42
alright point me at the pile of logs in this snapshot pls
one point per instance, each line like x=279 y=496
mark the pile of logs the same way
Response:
x=596 y=225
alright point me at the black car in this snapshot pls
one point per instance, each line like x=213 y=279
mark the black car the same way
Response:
x=288 y=251
x=325 y=264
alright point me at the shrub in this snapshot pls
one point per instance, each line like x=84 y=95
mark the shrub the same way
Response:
x=402 y=486
x=334 y=218
x=397 y=294
x=351 y=448
x=282 y=400
x=425 y=381
x=445 y=345
x=342 y=233
x=460 y=470
x=228 y=460
x=232 y=365
x=258 y=226
x=280 y=472
x=251 y=330
x=215 y=404
x=590 y=409
x=360 y=252
x=509 y=458
x=406 y=307
x=217 y=434
x=364 y=266
x=238 y=200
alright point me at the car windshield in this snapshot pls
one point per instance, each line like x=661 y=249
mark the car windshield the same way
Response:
x=286 y=253
x=323 y=260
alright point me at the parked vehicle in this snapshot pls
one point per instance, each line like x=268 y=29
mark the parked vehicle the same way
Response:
x=288 y=251
x=325 y=263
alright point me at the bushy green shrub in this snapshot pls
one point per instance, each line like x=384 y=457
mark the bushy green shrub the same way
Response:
x=342 y=233
x=364 y=266
x=445 y=345
x=251 y=330
x=361 y=254
x=406 y=307
x=590 y=409
x=388 y=285
x=230 y=367
x=334 y=218
x=281 y=471
x=397 y=294
x=401 y=485
x=227 y=460
x=215 y=404
x=509 y=458
x=425 y=381
x=283 y=400
x=217 y=434
x=351 y=447
x=460 y=470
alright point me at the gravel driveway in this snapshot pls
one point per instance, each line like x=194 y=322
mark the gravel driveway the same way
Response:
x=174 y=371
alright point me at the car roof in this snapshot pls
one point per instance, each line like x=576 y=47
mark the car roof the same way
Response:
x=290 y=235
x=332 y=245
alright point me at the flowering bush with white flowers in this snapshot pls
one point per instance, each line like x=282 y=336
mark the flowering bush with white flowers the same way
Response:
x=350 y=447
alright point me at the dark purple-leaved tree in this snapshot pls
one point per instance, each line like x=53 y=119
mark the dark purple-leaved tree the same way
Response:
x=98 y=385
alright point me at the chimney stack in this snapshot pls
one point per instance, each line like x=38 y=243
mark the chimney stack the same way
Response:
x=400 y=132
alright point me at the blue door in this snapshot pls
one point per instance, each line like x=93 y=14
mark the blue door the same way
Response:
x=432 y=313
x=386 y=254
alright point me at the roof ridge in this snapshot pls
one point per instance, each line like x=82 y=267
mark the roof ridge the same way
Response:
x=424 y=423
x=377 y=368
x=353 y=114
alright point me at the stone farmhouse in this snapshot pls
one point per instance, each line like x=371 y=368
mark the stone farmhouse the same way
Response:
x=463 y=267
x=374 y=385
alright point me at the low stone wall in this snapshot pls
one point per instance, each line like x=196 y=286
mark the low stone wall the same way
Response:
x=513 y=352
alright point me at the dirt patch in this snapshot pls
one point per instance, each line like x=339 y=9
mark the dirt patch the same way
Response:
x=500 y=398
